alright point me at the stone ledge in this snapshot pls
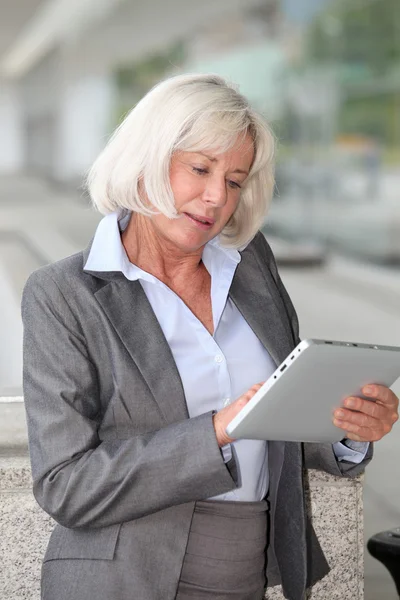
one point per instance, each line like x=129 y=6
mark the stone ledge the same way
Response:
x=15 y=473
x=320 y=478
x=335 y=504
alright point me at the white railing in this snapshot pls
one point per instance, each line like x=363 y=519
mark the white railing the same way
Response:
x=11 y=399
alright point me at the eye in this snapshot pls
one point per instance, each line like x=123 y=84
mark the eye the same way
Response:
x=234 y=185
x=199 y=171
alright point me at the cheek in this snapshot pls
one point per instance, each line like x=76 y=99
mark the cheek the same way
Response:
x=185 y=188
x=231 y=206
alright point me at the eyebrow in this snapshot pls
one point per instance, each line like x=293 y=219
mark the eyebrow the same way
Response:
x=213 y=159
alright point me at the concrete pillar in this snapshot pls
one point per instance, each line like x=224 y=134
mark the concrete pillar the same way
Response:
x=11 y=143
x=85 y=115
x=40 y=99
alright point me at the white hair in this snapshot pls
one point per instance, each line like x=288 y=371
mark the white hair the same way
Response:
x=192 y=112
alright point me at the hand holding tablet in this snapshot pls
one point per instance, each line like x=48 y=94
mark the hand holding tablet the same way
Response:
x=299 y=400
x=366 y=421
x=223 y=417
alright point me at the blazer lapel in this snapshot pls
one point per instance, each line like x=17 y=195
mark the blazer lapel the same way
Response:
x=130 y=313
x=258 y=299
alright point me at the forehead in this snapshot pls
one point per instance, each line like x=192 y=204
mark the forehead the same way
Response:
x=240 y=153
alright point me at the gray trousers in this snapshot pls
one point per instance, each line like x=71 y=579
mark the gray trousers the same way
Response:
x=224 y=560
x=225 y=555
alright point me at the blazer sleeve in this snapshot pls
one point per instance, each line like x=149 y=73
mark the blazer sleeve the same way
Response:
x=78 y=479
x=316 y=456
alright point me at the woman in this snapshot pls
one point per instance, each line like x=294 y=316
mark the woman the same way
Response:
x=140 y=350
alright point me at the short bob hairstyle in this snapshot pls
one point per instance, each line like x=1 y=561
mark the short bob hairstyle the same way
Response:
x=192 y=112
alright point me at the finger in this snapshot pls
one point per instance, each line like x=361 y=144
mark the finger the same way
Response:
x=367 y=407
x=362 y=419
x=365 y=434
x=254 y=388
x=381 y=393
x=247 y=395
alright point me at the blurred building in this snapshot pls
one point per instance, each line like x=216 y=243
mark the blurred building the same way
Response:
x=325 y=73
x=74 y=67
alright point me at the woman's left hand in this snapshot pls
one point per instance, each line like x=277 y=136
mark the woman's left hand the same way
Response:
x=373 y=419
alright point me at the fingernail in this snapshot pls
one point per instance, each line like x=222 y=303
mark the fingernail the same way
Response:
x=339 y=414
x=368 y=390
x=350 y=403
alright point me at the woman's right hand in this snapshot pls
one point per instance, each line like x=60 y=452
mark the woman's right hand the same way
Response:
x=222 y=418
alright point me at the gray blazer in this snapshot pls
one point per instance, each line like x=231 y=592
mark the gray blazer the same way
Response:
x=115 y=459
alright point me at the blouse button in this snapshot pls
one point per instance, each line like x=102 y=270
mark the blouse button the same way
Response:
x=218 y=358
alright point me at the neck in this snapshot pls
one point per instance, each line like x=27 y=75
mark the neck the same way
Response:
x=147 y=250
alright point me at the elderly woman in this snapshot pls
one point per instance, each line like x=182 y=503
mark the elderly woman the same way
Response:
x=141 y=349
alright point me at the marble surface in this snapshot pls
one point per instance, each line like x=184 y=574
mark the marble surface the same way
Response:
x=335 y=504
x=15 y=474
x=337 y=519
x=337 y=514
x=24 y=531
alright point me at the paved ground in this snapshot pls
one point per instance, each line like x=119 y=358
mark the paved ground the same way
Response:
x=343 y=300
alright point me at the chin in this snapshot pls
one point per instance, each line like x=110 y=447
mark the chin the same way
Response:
x=191 y=242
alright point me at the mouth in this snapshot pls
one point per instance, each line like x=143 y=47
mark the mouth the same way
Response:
x=202 y=222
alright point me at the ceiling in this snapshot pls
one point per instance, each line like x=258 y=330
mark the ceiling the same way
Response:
x=14 y=16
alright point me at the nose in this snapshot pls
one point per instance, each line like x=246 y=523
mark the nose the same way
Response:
x=215 y=191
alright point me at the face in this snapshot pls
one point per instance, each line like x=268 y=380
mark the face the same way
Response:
x=206 y=187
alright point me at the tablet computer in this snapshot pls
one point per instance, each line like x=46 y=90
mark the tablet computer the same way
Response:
x=297 y=402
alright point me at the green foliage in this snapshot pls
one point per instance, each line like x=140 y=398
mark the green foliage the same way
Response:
x=357 y=32
x=369 y=116
x=361 y=38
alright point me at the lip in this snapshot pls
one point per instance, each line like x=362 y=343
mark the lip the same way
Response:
x=204 y=226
